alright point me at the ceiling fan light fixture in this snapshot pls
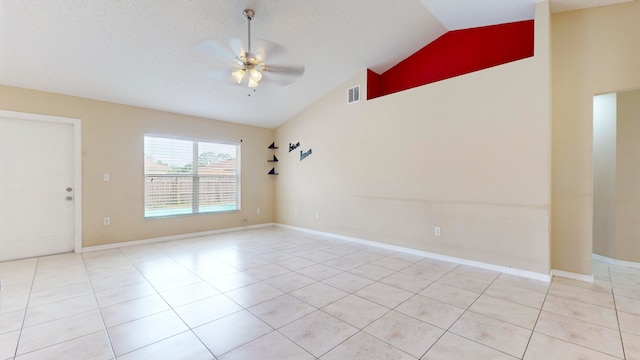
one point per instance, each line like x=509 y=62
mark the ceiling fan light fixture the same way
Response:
x=238 y=75
x=250 y=64
x=252 y=83
x=255 y=75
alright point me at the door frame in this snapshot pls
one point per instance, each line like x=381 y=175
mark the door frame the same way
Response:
x=77 y=163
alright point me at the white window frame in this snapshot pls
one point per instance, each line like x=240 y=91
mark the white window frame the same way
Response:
x=195 y=176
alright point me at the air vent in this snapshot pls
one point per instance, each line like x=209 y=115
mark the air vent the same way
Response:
x=353 y=95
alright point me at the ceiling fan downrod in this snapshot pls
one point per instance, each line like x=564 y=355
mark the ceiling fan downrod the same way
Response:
x=249 y=14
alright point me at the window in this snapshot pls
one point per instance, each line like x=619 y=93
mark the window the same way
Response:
x=184 y=177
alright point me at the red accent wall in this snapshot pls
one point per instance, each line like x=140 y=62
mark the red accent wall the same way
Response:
x=456 y=53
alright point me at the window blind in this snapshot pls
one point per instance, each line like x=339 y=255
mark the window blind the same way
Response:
x=185 y=177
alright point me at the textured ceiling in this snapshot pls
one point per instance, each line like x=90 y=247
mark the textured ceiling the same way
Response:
x=139 y=52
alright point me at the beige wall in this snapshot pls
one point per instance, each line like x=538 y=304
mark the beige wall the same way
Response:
x=112 y=142
x=604 y=174
x=627 y=240
x=470 y=155
x=594 y=51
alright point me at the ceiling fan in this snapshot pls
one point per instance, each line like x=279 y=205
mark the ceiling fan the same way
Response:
x=250 y=66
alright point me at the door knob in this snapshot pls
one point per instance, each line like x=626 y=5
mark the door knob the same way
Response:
x=69 y=198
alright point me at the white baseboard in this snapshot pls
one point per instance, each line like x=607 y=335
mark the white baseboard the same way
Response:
x=172 y=237
x=572 y=275
x=617 y=262
x=478 y=264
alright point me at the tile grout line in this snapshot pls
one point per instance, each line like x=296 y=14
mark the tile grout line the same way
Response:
x=26 y=309
x=326 y=313
x=240 y=305
x=189 y=328
x=615 y=308
x=468 y=310
x=247 y=310
x=574 y=318
x=102 y=316
x=349 y=294
x=393 y=309
x=414 y=294
x=48 y=321
x=533 y=330
x=93 y=290
x=453 y=322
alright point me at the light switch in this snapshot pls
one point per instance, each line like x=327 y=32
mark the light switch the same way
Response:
x=106 y=177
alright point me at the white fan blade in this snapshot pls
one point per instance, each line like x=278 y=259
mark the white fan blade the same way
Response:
x=265 y=49
x=237 y=47
x=286 y=70
x=212 y=47
x=283 y=75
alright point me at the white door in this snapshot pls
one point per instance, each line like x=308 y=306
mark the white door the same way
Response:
x=36 y=188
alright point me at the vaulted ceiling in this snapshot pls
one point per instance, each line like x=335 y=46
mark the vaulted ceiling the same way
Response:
x=141 y=52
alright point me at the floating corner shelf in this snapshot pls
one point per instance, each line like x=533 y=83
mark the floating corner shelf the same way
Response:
x=275 y=159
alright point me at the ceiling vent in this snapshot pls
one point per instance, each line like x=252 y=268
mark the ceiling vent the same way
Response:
x=353 y=95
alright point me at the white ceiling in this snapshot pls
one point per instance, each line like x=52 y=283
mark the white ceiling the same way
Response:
x=138 y=52
x=465 y=14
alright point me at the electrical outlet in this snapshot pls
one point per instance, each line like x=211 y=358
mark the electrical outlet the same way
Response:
x=317 y=214
x=258 y=211
x=295 y=212
x=436 y=230
x=106 y=221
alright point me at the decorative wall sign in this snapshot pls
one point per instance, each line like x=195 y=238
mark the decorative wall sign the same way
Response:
x=304 y=154
x=293 y=146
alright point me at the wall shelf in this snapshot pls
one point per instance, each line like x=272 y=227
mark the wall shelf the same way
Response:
x=274 y=160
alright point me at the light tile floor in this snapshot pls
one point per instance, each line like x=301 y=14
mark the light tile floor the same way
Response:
x=275 y=293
